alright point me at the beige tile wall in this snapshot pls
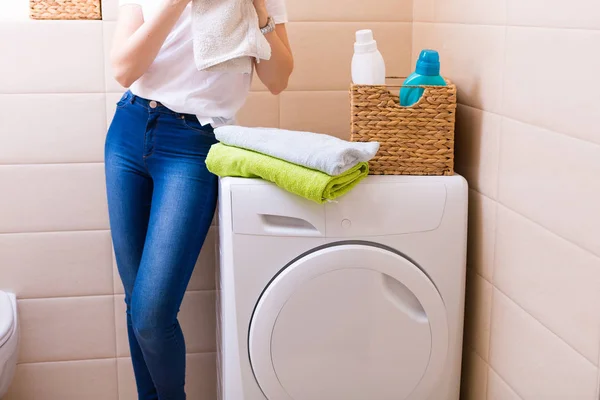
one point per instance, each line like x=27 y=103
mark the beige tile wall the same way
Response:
x=529 y=144
x=57 y=98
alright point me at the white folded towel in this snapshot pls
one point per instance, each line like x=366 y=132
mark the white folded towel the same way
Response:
x=227 y=36
x=324 y=153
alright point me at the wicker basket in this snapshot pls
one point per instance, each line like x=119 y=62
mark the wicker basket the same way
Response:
x=65 y=9
x=416 y=140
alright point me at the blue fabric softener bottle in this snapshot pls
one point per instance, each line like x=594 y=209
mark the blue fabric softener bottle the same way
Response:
x=427 y=73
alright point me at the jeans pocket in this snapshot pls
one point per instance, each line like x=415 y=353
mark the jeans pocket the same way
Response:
x=194 y=125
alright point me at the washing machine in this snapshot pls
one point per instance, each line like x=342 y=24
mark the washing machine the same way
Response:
x=359 y=299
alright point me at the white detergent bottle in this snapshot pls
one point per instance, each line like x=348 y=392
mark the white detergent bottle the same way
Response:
x=368 y=67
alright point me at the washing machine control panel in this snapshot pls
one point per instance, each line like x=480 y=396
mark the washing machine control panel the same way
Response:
x=371 y=209
x=386 y=209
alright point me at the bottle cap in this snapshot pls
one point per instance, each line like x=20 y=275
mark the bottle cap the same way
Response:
x=428 y=63
x=364 y=41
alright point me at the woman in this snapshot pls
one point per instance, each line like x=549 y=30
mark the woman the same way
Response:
x=161 y=197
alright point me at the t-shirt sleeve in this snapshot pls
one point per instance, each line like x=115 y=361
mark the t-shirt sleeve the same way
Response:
x=277 y=10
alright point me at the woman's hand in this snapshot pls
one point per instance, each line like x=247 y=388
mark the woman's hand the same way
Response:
x=137 y=42
x=263 y=14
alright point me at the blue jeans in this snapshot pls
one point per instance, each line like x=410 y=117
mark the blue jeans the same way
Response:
x=161 y=201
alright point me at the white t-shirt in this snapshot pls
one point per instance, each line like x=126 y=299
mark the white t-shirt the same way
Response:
x=173 y=79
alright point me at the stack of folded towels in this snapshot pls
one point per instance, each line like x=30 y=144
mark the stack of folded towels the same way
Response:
x=314 y=166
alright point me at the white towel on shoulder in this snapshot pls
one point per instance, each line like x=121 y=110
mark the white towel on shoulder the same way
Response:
x=324 y=153
x=227 y=36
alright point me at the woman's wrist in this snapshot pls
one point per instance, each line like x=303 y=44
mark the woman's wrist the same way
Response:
x=263 y=17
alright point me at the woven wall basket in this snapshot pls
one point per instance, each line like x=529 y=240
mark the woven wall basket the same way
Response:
x=416 y=140
x=65 y=9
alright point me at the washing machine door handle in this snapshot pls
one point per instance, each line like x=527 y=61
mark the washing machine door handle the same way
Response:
x=403 y=299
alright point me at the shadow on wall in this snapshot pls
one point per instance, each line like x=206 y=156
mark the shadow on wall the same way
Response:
x=468 y=156
x=467 y=149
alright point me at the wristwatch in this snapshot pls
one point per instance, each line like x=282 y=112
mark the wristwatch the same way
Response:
x=270 y=27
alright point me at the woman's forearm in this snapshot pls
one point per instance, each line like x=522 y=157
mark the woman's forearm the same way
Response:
x=275 y=73
x=137 y=42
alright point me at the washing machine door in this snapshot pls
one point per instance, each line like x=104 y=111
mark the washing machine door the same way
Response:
x=349 y=322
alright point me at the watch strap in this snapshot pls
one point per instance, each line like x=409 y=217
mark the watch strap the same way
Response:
x=270 y=27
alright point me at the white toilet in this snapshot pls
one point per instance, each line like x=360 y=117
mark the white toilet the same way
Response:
x=9 y=340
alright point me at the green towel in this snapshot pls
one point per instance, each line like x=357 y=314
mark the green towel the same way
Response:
x=314 y=185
